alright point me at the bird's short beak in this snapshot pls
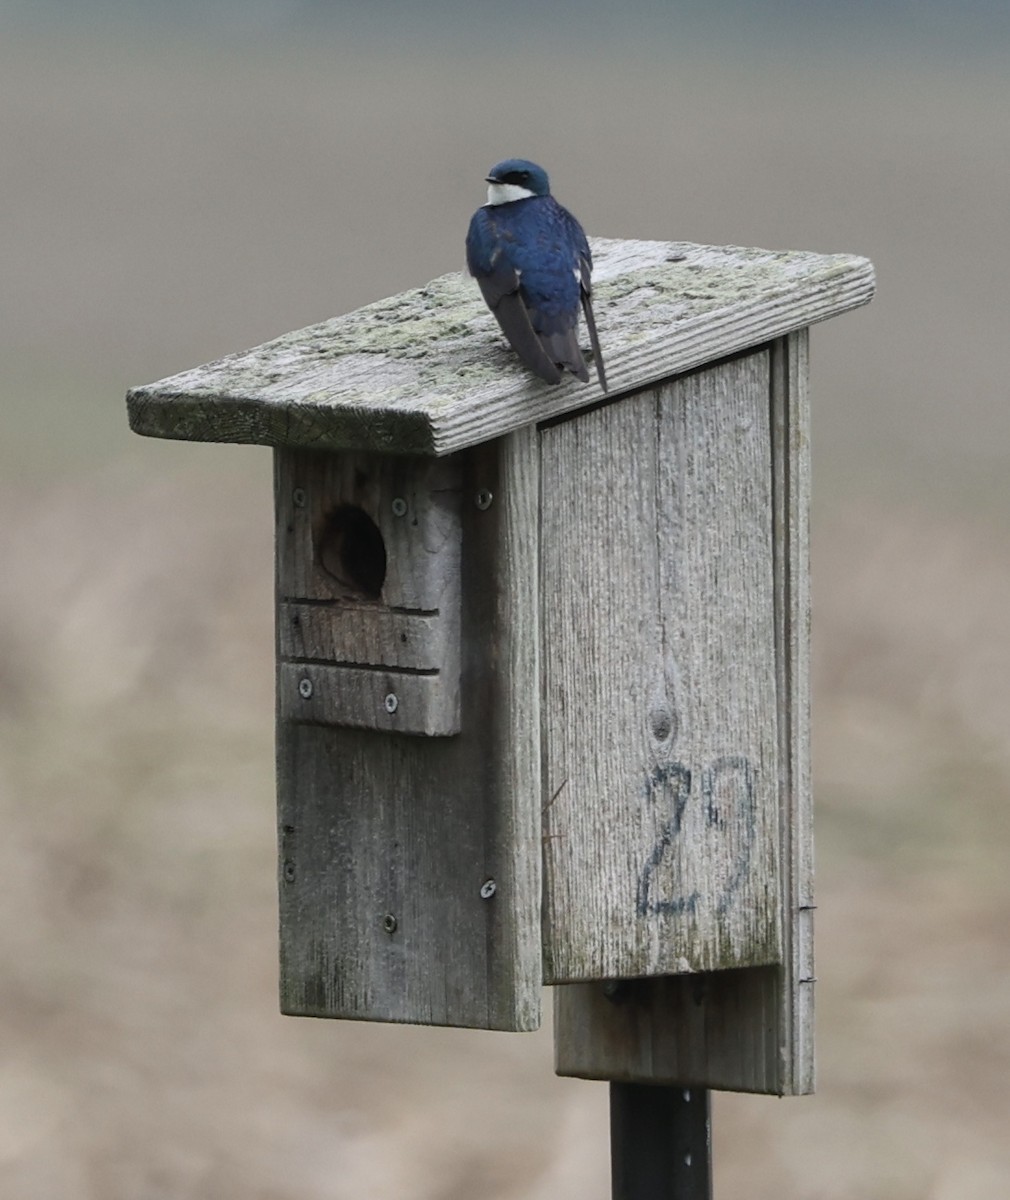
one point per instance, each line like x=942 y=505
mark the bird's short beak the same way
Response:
x=491 y=179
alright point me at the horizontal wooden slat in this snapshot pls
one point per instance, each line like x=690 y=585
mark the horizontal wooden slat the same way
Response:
x=362 y=635
x=365 y=699
x=428 y=372
x=717 y=1030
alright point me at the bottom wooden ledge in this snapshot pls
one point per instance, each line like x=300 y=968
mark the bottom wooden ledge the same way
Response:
x=718 y=1029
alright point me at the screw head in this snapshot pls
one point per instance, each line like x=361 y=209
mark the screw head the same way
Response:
x=298 y=496
x=488 y=889
x=391 y=703
x=399 y=507
x=289 y=871
x=483 y=499
x=389 y=923
x=305 y=687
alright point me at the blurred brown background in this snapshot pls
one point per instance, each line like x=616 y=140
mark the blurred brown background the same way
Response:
x=175 y=189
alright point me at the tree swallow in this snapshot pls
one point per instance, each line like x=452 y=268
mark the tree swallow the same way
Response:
x=531 y=260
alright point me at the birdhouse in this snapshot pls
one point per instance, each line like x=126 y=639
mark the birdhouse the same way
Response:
x=542 y=658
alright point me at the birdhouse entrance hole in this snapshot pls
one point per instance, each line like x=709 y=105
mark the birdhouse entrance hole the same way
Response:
x=351 y=551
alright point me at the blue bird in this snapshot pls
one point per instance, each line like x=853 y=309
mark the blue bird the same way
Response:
x=531 y=260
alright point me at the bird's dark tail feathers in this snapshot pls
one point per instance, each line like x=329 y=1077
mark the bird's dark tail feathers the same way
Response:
x=587 y=309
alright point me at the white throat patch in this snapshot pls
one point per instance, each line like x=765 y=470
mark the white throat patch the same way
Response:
x=505 y=193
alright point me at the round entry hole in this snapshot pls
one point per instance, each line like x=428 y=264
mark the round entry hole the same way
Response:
x=351 y=551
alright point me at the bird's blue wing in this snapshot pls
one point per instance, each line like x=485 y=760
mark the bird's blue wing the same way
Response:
x=490 y=259
x=484 y=258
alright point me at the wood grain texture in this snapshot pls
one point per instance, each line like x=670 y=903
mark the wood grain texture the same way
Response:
x=661 y=749
x=749 y=1029
x=420 y=536
x=373 y=636
x=428 y=372
x=368 y=628
x=386 y=840
x=719 y=1029
x=791 y=483
x=367 y=699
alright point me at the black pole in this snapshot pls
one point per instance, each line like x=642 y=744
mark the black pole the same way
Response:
x=660 y=1142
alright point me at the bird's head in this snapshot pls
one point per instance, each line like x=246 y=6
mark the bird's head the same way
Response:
x=516 y=179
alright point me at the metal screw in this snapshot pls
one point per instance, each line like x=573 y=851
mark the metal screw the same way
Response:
x=389 y=923
x=298 y=496
x=399 y=507
x=488 y=889
x=305 y=688
x=483 y=499
x=289 y=872
x=391 y=703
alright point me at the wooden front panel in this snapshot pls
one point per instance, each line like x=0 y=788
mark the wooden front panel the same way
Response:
x=661 y=736
x=409 y=869
x=368 y=618
x=749 y=1029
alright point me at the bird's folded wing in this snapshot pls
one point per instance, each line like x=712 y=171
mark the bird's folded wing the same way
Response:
x=500 y=290
x=562 y=346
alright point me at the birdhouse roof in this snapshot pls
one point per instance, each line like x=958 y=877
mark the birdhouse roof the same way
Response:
x=428 y=372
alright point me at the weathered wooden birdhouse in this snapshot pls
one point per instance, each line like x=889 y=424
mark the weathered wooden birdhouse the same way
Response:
x=542 y=661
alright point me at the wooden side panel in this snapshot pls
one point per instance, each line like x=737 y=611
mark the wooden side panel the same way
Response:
x=749 y=1029
x=409 y=870
x=790 y=408
x=661 y=759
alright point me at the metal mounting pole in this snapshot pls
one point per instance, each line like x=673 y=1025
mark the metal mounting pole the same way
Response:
x=660 y=1142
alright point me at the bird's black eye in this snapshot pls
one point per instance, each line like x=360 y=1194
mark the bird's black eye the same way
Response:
x=517 y=178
